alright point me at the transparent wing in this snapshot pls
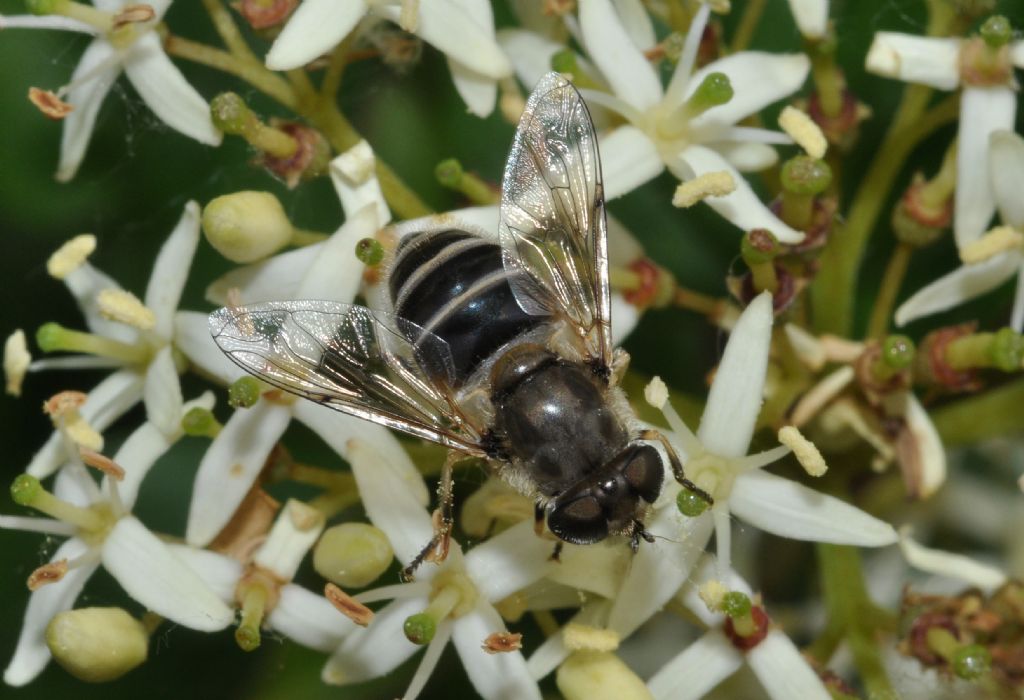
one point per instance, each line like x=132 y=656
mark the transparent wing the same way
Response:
x=351 y=359
x=553 y=232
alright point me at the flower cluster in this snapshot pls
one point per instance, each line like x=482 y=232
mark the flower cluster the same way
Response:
x=797 y=431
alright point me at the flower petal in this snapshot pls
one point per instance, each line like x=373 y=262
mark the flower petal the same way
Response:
x=137 y=455
x=108 y=401
x=920 y=450
x=758 y=79
x=637 y=23
x=625 y=316
x=811 y=17
x=983 y=110
x=659 y=568
x=370 y=652
x=949 y=564
x=46 y=22
x=219 y=572
x=192 y=337
x=336 y=273
x=620 y=61
x=87 y=97
x=500 y=676
x=151 y=574
x=915 y=59
x=783 y=671
x=788 y=509
x=171 y=270
x=628 y=160
x=741 y=207
x=316 y=27
x=309 y=619
x=1006 y=173
x=355 y=181
x=230 y=466
x=164 y=89
x=1017 y=313
x=738 y=388
x=747 y=156
x=452 y=29
x=529 y=52
x=162 y=393
x=277 y=277
x=703 y=665
x=959 y=286
x=479 y=92
x=31 y=655
x=511 y=560
x=85 y=283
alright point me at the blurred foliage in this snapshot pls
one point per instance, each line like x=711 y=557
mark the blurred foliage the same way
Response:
x=136 y=177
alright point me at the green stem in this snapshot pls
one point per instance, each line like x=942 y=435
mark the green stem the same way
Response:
x=748 y=24
x=225 y=25
x=976 y=418
x=253 y=73
x=878 y=326
x=833 y=294
x=850 y=608
x=335 y=69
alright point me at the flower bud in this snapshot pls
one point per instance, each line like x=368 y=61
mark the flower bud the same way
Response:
x=352 y=555
x=97 y=644
x=244 y=392
x=246 y=226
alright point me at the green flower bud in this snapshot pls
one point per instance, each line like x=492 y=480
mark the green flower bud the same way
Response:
x=369 y=251
x=971 y=661
x=898 y=351
x=419 y=628
x=352 y=555
x=49 y=336
x=97 y=644
x=806 y=175
x=759 y=246
x=449 y=173
x=996 y=31
x=244 y=392
x=690 y=503
x=736 y=604
x=25 y=489
x=714 y=90
x=230 y=114
x=246 y=226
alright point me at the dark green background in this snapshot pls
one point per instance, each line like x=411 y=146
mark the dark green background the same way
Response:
x=136 y=177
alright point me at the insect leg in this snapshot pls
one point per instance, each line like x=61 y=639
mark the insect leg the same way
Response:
x=677 y=466
x=556 y=554
x=437 y=549
x=538 y=519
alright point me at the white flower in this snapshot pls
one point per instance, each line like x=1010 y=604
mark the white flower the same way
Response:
x=138 y=51
x=811 y=17
x=101 y=529
x=462 y=30
x=775 y=660
x=716 y=460
x=142 y=354
x=994 y=258
x=460 y=592
x=664 y=131
x=988 y=103
x=297 y=613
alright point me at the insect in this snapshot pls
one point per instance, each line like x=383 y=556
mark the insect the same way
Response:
x=499 y=350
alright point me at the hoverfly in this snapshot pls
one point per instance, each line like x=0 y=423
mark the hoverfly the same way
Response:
x=499 y=351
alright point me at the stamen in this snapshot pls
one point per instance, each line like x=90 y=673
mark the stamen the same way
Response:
x=133 y=14
x=807 y=134
x=712 y=593
x=409 y=18
x=998 y=240
x=52 y=337
x=716 y=184
x=254 y=597
x=394 y=592
x=691 y=445
x=579 y=637
x=759 y=460
x=44 y=525
x=47 y=573
x=820 y=394
x=723 y=539
x=70 y=256
x=808 y=348
x=63 y=411
x=17 y=361
x=49 y=103
x=347 y=605
x=804 y=450
x=124 y=307
x=102 y=463
x=62 y=404
x=502 y=642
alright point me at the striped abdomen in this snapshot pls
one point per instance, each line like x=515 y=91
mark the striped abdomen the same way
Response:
x=453 y=284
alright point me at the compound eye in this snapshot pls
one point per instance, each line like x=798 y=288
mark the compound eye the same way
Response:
x=580 y=521
x=645 y=473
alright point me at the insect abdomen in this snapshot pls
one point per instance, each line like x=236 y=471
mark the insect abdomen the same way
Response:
x=453 y=283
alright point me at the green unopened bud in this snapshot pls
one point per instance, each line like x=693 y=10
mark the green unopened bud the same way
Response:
x=996 y=31
x=97 y=644
x=1007 y=350
x=690 y=503
x=49 y=336
x=25 y=489
x=714 y=90
x=352 y=555
x=246 y=226
x=759 y=246
x=230 y=114
x=419 y=628
x=736 y=604
x=200 y=422
x=449 y=173
x=599 y=675
x=805 y=175
x=971 y=661
x=244 y=392
x=898 y=351
x=369 y=251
